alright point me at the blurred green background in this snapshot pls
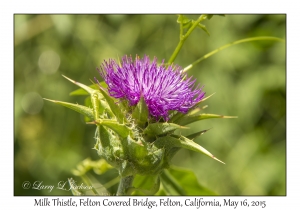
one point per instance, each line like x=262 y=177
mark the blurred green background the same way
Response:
x=249 y=80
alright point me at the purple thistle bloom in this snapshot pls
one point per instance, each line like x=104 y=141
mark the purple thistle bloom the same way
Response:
x=163 y=88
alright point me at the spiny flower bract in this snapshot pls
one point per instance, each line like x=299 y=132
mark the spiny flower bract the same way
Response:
x=163 y=88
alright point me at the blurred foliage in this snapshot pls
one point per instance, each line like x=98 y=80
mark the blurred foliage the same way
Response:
x=249 y=80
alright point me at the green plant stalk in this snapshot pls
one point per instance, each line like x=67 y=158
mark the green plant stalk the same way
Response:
x=184 y=37
x=260 y=38
x=124 y=185
x=111 y=183
x=181 y=30
x=87 y=181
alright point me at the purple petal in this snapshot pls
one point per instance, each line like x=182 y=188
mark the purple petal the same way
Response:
x=164 y=89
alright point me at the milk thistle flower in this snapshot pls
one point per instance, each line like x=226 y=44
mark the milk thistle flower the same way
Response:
x=163 y=88
x=125 y=137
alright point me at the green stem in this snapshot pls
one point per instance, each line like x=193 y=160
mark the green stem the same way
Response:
x=184 y=37
x=181 y=30
x=260 y=38
x=111 y=183
x=87 y=181
x=124 y=185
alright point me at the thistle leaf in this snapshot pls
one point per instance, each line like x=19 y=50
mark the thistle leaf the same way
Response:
x=108 y=146
x=168 y=142
x=171 y=185
x=195 y=135
x=86 y=88
x=193 y=118
x=81 y=91
x=113 y=106
x=189 y=182
x=136 y=149
x=87 y=103
x=196 y=110
x=146 y=158
x=176 y=117
x=96 y=105
x=141 y=113
x=99 y=105
x=76 y=107
x=203 y=27
x=204 y=99
x=120 y=129
x=156 y=129
x=104 y=105
x=147 y=185
x=105 y=136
